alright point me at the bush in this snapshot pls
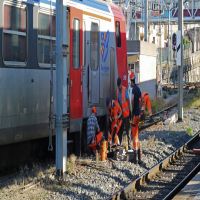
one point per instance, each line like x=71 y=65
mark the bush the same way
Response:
x=157 y=105
x=193 y=101
x=189 y=131
x=186 y=42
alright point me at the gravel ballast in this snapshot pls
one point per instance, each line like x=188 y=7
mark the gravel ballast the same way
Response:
x=89 y=179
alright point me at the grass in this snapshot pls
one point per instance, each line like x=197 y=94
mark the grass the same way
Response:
x=71 y=164
x=193 y=101
x=189 y=131
x=157 y=105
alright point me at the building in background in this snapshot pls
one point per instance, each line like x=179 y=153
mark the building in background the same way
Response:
x=163 y=22
x=142 y=61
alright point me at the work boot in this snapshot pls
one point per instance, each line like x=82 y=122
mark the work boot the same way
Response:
x=142 y=116
x=135 y=157
x=129 y=148
x=109 y=147
x=139 y=155
x=129 y=144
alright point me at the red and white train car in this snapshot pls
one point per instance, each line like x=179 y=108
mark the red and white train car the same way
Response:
x=97 y=56
x=102 y=56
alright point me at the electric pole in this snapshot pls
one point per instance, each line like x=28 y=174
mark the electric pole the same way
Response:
x=61 y=88
x=180 y=68
x=146 y=28
x=169 y=44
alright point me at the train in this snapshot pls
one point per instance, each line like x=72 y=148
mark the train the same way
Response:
x=97 y=56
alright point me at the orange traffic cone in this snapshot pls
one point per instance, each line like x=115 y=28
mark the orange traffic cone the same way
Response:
x=103 y=151
x=116 y=139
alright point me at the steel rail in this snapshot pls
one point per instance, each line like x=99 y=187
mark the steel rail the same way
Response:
x=182 y=183
x=131 y=188
x=165 y=109
x=146 y=125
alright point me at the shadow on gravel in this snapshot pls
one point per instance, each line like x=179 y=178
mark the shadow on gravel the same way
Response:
x=82 y=191
x=73 y=195
x=91 y=188
x=156 y=156
x=128 y=174
x=116 y=178
x=173 y=138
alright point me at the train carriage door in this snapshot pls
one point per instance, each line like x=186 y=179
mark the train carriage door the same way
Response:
x=93 y=61
x=75 y=63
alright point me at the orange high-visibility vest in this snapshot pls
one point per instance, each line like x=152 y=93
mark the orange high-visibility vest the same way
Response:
x=125 y=103
x=146 y=102
x=144 y=94
x=115 y=111
x=142 y=99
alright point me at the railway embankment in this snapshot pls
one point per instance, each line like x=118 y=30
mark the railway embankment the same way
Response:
x=89 y=179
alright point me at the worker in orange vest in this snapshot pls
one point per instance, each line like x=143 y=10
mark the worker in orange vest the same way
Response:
x=136 y=97
x=131 y=76
x=146 y=103
x=94 y=135
x=123 y=99
x=115 y=114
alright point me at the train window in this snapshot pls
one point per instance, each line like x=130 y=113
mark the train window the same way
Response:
x=46 y=38
x=118 y=34
x=76 y=43
x=94 y=46
x=14 y=34
x=46 y=25
x=44 y=50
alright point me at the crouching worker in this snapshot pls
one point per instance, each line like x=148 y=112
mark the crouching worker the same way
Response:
x=145 y=105
x=115 y=117
x=94 y=136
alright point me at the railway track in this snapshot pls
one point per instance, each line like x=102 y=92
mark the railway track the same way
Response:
x=156 y=118
x=190 y=85
x=166 y=178
x=112 y=176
